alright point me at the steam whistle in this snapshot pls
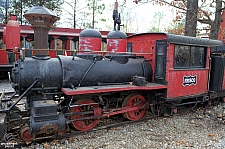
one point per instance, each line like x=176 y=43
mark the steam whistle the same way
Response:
x=116 y=17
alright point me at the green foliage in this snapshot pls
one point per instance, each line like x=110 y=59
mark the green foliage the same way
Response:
x=19 y=7
x=177 y=28
x=154 y=29
x=95 y=9
x=156 y=23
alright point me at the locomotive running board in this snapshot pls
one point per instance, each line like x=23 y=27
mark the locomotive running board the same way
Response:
x=111 y=88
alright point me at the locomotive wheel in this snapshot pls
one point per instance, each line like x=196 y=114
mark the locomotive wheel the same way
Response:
x=25 y=134
x=133 y=100
x=84 y=125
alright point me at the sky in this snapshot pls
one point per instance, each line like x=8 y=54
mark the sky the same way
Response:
x=142 y=16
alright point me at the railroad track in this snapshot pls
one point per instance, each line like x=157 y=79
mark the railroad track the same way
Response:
x=75 y=133
x=104 y=127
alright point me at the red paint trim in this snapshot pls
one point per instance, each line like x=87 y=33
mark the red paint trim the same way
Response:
x=111 y=88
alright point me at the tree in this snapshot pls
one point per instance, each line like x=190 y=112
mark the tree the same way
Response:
x=4 y=8
x=96 y=8
x=74 y=7
x=19 y=7
x=176 y=28
x=214 y=25
x=158 y=17
x=211 y=16
x=202 y=15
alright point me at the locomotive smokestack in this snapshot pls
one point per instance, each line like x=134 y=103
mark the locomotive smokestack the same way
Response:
x=41 y=20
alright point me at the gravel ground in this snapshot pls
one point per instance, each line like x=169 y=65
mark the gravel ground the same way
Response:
x=182 y=131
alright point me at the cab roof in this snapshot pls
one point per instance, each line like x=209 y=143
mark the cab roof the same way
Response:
x=185 y=40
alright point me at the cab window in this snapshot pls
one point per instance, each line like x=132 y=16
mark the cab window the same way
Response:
x=197 y=57
x=182 y=54
x=189 y=57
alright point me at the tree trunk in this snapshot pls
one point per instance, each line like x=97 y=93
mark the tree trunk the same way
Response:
x=74 y=14
x=191 y=18
x=93 y=15
x=21 y=12
x=6 y=11
x=215 y=25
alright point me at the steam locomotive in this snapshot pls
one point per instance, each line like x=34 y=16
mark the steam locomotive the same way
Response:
x=155 y=72
x=76 y=91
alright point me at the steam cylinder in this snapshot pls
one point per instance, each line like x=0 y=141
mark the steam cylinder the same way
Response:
x=90 y=40
x=116 y=41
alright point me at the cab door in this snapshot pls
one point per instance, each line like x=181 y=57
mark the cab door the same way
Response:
x=160 y=62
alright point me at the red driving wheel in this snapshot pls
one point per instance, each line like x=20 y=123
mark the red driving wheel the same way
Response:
x=84 y=125
x=25 y=134
x=131 y=100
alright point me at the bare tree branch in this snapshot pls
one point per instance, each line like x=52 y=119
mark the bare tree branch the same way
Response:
x=205 y=21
